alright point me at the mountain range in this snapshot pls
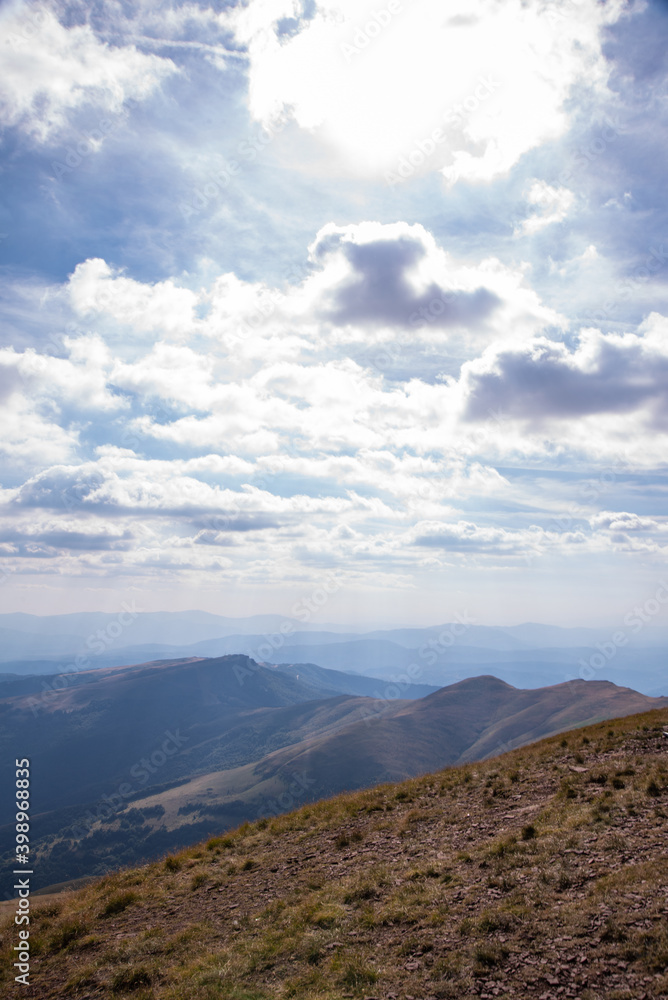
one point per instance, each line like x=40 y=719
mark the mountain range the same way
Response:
x=530 y=655
x=538 y=874
x=132 y=761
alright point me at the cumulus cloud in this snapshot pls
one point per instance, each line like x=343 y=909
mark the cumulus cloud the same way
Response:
x=492 y=78
x=68 y=67
x=364 y=279
x=370 y=276
x=606 y=374
x=95 y=289
x=378 y=288
x=625 y=521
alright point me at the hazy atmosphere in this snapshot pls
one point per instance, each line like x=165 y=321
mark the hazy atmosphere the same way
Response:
x=366 y=301
x=333 y=479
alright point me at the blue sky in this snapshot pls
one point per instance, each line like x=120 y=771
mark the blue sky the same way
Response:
x=292 y=289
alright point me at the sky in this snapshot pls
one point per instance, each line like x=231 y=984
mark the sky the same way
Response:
x=358 y=304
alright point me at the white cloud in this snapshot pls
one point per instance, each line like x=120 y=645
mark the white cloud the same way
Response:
x=171 y=372
x=552 y=205
x=492 y=77
x=94 y=288
x=366 y=283
x=31 y=439
x=370 y=276
x=48 y=70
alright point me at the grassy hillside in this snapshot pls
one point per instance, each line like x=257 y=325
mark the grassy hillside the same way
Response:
x=97 y=725
x=540 y=873
x=248 y=752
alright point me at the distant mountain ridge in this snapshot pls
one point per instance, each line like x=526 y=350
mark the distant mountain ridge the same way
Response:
x=528 y=655
x=136 y=760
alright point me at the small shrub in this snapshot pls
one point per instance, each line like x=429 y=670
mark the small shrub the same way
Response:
x=356 y=974
x=359 y=893
x=119 y=902
x=248 y=864
x=612 y=931
x=314 y=954
x=327 y=916
x=653 y=789
x=172 y=863
x=130 y=979
x=563 y=881
x=197 y=880
x=66 y=933
x=415 y=816
x=488 y=956
x=494 y=921
x=528 y=832
x=216 y=842
x=90 y=941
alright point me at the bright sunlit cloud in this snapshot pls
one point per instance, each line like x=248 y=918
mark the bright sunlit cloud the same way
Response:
x=411 y=87
x=379 y=288
x=49 y=69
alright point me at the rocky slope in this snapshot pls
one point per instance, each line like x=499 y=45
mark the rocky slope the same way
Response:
x=542 y=873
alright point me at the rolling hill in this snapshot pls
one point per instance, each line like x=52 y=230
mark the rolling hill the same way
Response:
x=539 y=874
x=137 y=760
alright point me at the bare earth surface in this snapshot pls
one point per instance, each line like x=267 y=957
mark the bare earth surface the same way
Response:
x=539 y=874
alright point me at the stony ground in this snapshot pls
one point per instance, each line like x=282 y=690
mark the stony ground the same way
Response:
x=539 y=874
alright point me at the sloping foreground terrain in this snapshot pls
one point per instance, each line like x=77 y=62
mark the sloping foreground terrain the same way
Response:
x=542 y=873
x=135 y=761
